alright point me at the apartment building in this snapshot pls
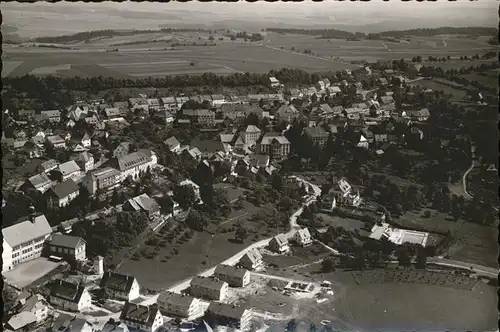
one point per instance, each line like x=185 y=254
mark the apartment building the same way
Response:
x=141 y=318
x=234 y=276
x=179 y=305
x=70 y=248
x=62 y=194
x=250 y=135
x=229 y=315
x=69 y=296
x=133 y=164
x=120 y=286
x=274 y=145
x=209 y=288
x=24 y=241
x=318 y=135
x=102 y=179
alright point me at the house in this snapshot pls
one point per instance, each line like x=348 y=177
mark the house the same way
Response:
x=259 y=160
x=62 y=194
x=136 y=163
x=238 y=112
x=421 y=115
x=204 y=117
x=362 y=142
x=69 y=296
x=275 y=145
x=141 y=318
x=138 y=103
x=273 y=82
x=31 y=150
x=173 y=144
x=318 y=135
x=143 y=203
x=303 y=237
x=68 y=170
x=112 y=113
x=85 y=161
x=51 y=116
x=122 y=149
x=67 y=323
x=179 y=305
x=30 y=311
x=229 y=315
x=209 y=288
x=192 y=152
x=120 y=286
x=234 y=276
x=56 y=141
x=48 y=166
x=287 y=113
x=153 y=104
x=333 y=90
x=252 y=260
x=114 y=326
x=103 y=179
x=169 y=103
x=26 y=114
x=70 y=248
x=279 y=244
x=207 y=148
x=39 y=182
x=383 y=81
x=217 y=100
x=250 y=135
x=24 y=241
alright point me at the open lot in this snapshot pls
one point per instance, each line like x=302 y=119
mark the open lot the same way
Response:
x=25 y=274
x=432 y=84
x=474 y=243
x=346 y=223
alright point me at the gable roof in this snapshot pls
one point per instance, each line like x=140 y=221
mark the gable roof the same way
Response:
x=39 y=180
x=143 y=202
x=67 y=323
x=116 y=281
x=268 y=139
x=252 y=129
x=134 y=159
x=64 y=188
x=254 y=255
x=172 y=298
x=21 y=320
x=31 y=228
x=304 y=233
x=226 y=310
x=280 y=239
x=67 y=291
x=231 y=271
x=207 y=283
x=69 y=167
x=172 y=142
x=315 y=132
x=207 y=146
x=114 y=326
x=65 y=241
x=144 y=315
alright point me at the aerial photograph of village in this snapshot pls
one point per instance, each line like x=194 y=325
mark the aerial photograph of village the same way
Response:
x=267 y=166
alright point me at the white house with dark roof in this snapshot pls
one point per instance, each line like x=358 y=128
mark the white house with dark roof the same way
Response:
x=234 y=276
x=70 y=248
x=303 y=237
x=279 y=244
x=114 y=326
x=252 y=260
x=229 y=315
x=24 y=241
x=120 y=286
x=68 y=170
x=133 y=164
x=141 y=318
x=32 y=310
x=85 y=161
x=62 y=194
x=69 y=296
x=143 y=203
x=39 y=182
x=179 y=305
x=209 y=288
x=250 y=135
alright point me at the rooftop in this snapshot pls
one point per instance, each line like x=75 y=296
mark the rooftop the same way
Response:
x=64 y=189
x=31 y=228
x=175 y=299
x=230 y=271
x=69 y=167
x=117 y=281
x=138 y=313
x=207 y=283
x=226 y=310
x=65 y=241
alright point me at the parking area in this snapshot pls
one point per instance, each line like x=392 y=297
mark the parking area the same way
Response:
x=25 y=274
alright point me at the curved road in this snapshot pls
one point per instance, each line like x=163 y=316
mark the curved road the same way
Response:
x=262 y=243
x=464 y=180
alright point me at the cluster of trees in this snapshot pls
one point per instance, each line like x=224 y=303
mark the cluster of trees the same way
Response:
x=428 y=32
x=104 y=235
x=323 y=33
x=253 y=37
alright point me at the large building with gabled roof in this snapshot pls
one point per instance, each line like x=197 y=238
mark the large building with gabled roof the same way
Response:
x=24 y=241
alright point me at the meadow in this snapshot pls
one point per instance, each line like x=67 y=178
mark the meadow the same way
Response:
x=159 y=54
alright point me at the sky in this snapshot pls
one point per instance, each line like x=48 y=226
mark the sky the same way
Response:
x=50 y=18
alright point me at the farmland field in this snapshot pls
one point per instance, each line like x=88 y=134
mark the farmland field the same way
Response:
x=432 y=84
x=156 y=55
x=474 y=243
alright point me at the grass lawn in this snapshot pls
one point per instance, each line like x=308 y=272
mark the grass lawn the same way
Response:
x=474 y=243
x=346 y=223
x=456 y=93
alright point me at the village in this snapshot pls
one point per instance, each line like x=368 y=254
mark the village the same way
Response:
x=62 y=159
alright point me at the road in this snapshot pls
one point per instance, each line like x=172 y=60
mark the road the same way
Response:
x=478 y=269
x=464 y=179
x=177 y=288
x=269 y=276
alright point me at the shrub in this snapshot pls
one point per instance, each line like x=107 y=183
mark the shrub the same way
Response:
x=427 y=214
